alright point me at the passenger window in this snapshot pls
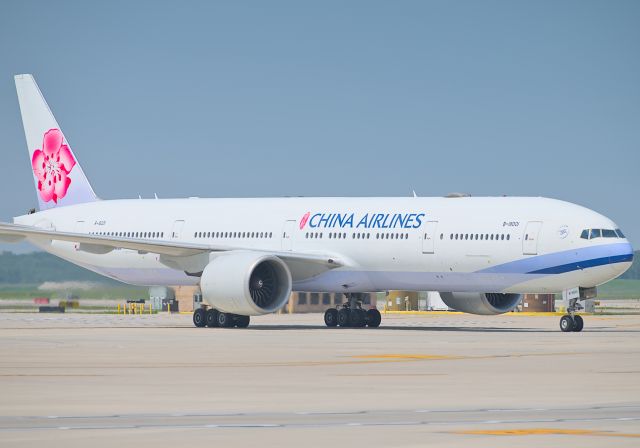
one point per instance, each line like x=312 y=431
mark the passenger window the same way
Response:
x=508 y=237
x=595 y=233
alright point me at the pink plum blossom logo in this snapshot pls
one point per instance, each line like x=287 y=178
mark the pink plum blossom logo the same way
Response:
x=52 y=165
x=304 y=220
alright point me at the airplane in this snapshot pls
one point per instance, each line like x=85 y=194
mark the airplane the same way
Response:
x=247 y=255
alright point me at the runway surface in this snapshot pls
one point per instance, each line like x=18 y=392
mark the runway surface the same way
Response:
x=437 y=380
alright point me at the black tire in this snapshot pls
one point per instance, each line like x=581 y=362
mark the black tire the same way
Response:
x=199 y=318
x=358 y=318
x=344 y=317
x=373 y=318
x=566 y=323
x=578 y=323
x=331 y=317
x=212 y=318
x=225 y=320
x=242 y=321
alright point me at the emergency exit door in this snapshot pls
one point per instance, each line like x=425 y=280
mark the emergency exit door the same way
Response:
x=287 y=234
x=531 y=237
x=176 y=231
x=429 y=237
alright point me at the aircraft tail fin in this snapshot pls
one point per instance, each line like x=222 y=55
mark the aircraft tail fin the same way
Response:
x=58 y=176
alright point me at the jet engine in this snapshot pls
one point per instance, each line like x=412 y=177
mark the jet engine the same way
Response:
x=246 y=283
x=481 y=303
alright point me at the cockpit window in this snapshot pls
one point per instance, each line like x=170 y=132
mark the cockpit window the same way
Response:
x=589 y=234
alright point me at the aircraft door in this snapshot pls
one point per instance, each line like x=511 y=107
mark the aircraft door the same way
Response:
x=429 y=237
x=530 y=238
x=287 y=234
x=81 y=227
x=176 y=231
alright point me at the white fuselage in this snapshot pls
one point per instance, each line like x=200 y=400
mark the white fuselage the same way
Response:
x=492 y=244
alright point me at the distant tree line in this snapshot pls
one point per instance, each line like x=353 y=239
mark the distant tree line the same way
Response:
x=39 y=267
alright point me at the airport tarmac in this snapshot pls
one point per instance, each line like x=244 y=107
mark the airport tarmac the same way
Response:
x=438 y=380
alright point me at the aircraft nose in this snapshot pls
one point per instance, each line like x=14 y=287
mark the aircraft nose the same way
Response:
x=622 y=262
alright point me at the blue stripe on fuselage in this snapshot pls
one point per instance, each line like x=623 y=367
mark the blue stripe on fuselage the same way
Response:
x=566 y=261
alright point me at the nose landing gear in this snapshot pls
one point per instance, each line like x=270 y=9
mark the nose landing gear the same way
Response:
x=572 y=321
x=352 y=315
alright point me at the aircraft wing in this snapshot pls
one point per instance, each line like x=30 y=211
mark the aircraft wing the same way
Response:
x=97 y=244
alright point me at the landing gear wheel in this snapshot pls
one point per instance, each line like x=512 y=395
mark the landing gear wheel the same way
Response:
x=331 y=317
x=212 y=318
x=344 y=317
x=358 y=318
x=578 y=323
x=373 y=318
x=199 y=318
x=242 y=321
x=225 y=320
x=567 y=323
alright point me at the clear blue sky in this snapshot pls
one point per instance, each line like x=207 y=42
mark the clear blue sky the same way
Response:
x=334 y=98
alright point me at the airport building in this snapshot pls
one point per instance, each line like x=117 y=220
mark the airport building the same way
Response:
x=187 y=298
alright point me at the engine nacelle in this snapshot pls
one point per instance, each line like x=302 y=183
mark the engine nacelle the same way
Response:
x=481 y=303
x=245 y=282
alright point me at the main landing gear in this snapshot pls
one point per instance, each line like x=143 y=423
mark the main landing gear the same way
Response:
x=352 y=315
x=572 y=321
x=213 y=318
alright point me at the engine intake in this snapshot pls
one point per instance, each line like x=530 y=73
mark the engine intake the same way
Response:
x=245 y=282
x=481 y=303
